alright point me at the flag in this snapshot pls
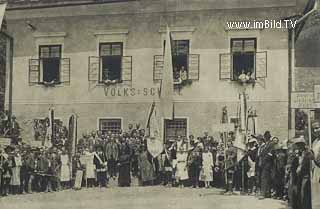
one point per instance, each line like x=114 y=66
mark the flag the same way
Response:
x=2 y=11
x=240 y=141
x=73 y=133
x=166 y=89
x=154 y=137
x=50 y=129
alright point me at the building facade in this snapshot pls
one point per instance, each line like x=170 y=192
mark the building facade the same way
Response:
x=102 y=60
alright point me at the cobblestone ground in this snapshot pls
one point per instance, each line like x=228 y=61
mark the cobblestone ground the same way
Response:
x=155 y=197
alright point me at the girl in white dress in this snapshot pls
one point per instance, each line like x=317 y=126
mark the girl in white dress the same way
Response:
x=206 y=174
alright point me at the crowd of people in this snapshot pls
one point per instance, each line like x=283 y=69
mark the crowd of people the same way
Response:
x=267 y=168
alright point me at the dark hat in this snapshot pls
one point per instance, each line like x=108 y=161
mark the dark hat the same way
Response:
x=258 y=137
x=267 y=135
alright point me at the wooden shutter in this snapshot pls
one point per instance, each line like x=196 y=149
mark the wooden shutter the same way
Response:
x=126 y=68
x=193 y=66
x=225 y=67
x=34 y=71
x=261 y=64
x=65 y=70
x=94 y=68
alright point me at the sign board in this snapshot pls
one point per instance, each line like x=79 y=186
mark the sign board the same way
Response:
x=5 y=141
x=223 y=127
x=316 y=93
x=303 y=100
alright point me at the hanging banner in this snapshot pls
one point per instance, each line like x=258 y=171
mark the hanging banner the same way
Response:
x=154 y=140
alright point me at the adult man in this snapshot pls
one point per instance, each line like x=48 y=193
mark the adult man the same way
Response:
x=231 y=160
x=100 y=162
x=112 y=154
x=266 y=159
x=194 y=164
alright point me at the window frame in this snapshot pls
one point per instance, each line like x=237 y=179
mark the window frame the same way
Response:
x=40 y=47
x=243 y=39
x=179 y=118
x=109 y=118
x=100 y=80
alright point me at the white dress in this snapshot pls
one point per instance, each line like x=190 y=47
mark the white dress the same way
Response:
x=206 y=173
x=181 y=167
x=65 y=169
x=90 y=167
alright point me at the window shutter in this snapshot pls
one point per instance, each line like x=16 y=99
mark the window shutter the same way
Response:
x=261 y=64
x=126 y=68
x=65 y=70
x=193 y=68
x=94 y=68
x=225 y=67
x=158 y=67
x=34 y=71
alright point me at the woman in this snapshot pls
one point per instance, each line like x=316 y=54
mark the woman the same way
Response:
x=125 y=154
x=90 y=168
x=65 y=170
x=206 y=173
x=15 y=180
x=181 y=167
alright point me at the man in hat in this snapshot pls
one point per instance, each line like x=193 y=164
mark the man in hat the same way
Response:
x=266 y=158
x=260 y=144
x=280 y=161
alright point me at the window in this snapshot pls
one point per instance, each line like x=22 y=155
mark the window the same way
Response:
x=50 y=57
x=113 y=125
x=243 y=56
x=180 y=52
x=175 y=128
x=111 y=57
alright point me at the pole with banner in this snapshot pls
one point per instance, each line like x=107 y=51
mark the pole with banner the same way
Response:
x=73 y=133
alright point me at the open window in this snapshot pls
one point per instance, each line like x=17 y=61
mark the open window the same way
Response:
x=50 y=63
x=111 y=66
x=243 y=62
x=50 y=68
x=110 y=124
x=243 y=56
x=174 y=128
x=111 y=54
x=185 y=65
